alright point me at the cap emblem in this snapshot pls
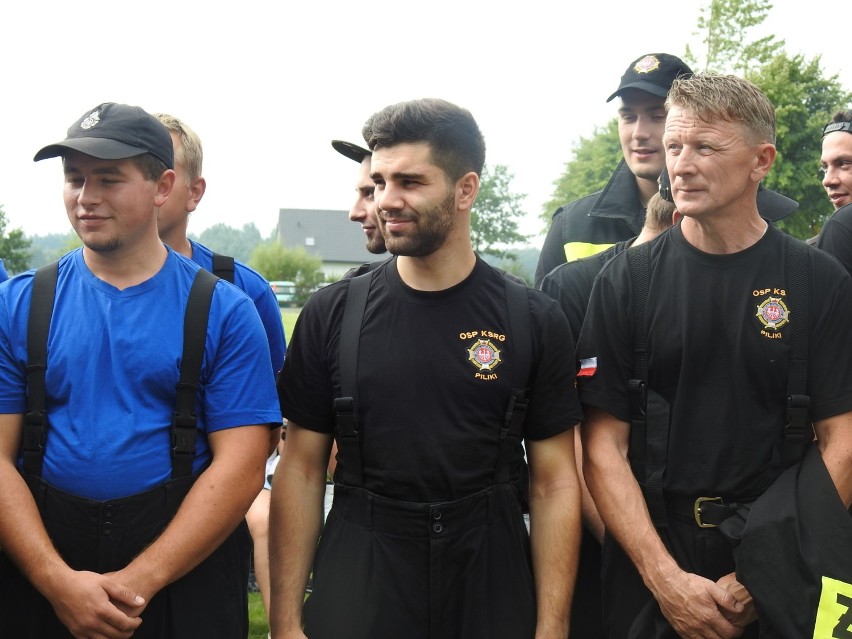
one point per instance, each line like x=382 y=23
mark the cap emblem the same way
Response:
x=93 y=119
x=647 y=64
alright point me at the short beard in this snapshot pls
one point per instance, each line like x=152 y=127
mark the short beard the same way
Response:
x=376 y=244
x=433 y=228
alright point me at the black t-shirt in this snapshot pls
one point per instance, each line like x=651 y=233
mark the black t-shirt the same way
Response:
x=570 y=284
x=719 y=329
x=433 y=380
x=836 y=236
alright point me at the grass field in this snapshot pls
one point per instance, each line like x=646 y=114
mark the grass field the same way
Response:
x=288 y=316
x=258 y=628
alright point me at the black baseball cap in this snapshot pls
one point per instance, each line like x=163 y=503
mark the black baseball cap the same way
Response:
x=113 y=131
x=653 y=73
x=352 y=151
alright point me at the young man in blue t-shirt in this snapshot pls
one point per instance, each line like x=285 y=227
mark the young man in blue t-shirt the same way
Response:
x=106 y=537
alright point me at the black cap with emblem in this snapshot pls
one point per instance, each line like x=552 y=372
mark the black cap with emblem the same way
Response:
x=113 y=131
x=652 y=73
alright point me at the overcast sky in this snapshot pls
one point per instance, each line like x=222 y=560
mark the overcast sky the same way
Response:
x=268 y=85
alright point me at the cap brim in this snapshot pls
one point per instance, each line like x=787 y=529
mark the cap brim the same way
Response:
x=773 y=206
x=352 y=151
x=101 y=148
x=647 y=87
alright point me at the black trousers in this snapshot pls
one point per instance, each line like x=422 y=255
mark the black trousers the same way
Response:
x=386 y=568
x=587 y=607
x=104 y=536
x=630 y=610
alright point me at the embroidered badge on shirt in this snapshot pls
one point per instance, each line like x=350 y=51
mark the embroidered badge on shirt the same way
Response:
x=647 y=64
x=484 y=355
x=93 y=119
x=773 y=313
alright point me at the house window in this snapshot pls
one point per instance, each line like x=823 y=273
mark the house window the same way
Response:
x=309 y=241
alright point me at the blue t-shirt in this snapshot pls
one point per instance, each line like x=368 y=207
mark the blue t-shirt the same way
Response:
x=112 y=366
x=258 y=289
x=3 y=274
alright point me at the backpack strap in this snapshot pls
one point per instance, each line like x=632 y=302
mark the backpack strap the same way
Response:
x=184 y=428
x=518 y=307
x=798 y=431
x=223 y=267
x=346 y=406
x=649 y=412
x=36 y=423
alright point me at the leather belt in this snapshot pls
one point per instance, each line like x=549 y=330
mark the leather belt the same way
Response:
x=707 y=512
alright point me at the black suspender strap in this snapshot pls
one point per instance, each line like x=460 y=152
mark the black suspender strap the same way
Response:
x=518 y=306
x=194 y=337
x=798 y=432
x=36 y=422
x=223 y=267
x=346 y=406
x=649 y=412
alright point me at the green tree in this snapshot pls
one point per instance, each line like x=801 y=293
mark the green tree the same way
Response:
x=725 y=25
x=804 y=101
x=48 y=248
x=495 y=214
x=14 y=247
x=594 y=159
x=275 y=262
x=238 y=243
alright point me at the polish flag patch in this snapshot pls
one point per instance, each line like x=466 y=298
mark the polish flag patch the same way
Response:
x=588 y=367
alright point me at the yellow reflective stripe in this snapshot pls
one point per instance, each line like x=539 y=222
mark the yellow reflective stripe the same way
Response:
x=576 y=250
x=834 y=615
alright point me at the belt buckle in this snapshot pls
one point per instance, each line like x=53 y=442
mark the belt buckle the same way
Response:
x=696 y=510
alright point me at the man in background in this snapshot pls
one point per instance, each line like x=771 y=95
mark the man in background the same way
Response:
x=836 y=159
x=172 y=221
x=617 y=212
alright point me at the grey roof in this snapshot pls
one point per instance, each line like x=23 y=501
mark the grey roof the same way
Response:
x=329 y=235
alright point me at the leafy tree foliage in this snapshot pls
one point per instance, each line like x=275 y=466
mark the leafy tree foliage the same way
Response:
x=14 y=247
x=495 y=214
x=804 y=102
x=229 y=241
x=725 y=25
x=275 y=262
x=595 y=158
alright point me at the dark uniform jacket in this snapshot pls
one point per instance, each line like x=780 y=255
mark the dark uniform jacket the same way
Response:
x=593 y=223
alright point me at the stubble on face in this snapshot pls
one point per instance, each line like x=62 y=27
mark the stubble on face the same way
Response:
x=433 y=226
